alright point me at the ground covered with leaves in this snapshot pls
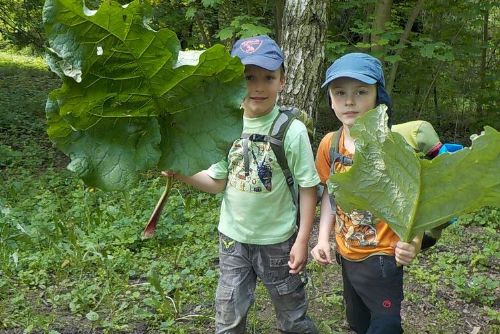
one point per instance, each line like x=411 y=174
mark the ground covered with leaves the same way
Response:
x=72 y=261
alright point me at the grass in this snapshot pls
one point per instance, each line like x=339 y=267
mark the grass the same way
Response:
x=71 y=257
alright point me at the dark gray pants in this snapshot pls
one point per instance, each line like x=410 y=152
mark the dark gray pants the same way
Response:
x=373 y=292
x=240 y=265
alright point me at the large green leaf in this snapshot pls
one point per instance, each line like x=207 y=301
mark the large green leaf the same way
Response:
x=131 y=100
x=414 y=195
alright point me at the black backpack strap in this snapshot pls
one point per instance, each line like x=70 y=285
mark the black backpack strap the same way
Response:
x=336 y=156
x=278 y=132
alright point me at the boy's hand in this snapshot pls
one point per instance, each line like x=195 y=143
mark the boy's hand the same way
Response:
x=298 y=257
x=406 y=252
x=168 y=173
x=321 y=253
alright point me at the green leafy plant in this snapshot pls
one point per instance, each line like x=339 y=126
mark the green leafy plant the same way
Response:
x=131 y=100
x=243 y=26
x=414 y=195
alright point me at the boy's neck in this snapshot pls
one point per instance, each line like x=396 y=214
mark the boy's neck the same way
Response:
x=348 y=140
x=347 y=131
x=250 y=114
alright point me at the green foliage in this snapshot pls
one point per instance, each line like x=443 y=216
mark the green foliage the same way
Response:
x=20 y=23
x=438 y=76
x=71 y=259
x=466 y=272
x=487 y=217
x=130 y=101
x=390 y=180
x=429 y=49
x=243 y=27
x=210 y=3
x=97 y=242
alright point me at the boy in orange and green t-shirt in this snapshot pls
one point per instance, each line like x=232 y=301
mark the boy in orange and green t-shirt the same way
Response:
x=367 y=248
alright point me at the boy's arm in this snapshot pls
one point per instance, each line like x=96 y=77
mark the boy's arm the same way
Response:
x=322 y=251
x=202 y=181
x=298 y=253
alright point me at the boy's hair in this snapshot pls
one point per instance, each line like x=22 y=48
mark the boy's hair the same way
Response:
x=362 y=67
x=261 y=51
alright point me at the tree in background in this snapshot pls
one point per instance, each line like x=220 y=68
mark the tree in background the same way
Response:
x=21 y=24
x=440 y=57
x=382 y=15
x=302 y=40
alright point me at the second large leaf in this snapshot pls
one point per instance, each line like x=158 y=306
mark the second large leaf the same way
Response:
x=131 y=100
x=414 y=195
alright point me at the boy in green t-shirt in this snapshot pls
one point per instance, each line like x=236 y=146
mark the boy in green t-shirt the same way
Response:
x=259 y=236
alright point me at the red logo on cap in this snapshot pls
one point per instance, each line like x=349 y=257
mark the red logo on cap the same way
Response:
x=251 y=45
x=387 y=303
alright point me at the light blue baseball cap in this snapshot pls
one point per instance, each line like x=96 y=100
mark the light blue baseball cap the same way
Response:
x=261 y=51
x=359 y=66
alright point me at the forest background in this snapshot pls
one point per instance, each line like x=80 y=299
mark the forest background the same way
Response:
x=71 y=258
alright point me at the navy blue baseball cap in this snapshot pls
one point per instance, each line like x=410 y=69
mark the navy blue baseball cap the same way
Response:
x=359 y=66
x=261 y=51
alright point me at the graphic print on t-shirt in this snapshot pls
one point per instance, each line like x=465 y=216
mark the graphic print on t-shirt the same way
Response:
x=261 y=159
x=356 y=229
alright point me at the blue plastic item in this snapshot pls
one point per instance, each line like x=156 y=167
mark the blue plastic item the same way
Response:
x=450 y=148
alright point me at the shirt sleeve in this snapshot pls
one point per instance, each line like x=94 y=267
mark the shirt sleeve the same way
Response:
x=323 y=157
x=219 y=170
x=299 y=155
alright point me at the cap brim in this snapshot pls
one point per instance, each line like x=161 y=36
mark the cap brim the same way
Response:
x=267 y=63
x=361 y=77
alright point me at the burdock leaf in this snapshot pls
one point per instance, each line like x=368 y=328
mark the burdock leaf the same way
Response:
x=414 y=195
x=131 y=100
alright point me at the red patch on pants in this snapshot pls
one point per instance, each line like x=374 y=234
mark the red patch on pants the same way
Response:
x=387 y=303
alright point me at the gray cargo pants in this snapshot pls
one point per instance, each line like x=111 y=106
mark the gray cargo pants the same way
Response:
x=240 y=265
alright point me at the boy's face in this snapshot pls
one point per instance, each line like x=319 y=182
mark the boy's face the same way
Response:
x=263 y=87
x=351 y=98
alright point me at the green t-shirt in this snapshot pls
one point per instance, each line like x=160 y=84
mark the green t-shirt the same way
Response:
x=258 y=208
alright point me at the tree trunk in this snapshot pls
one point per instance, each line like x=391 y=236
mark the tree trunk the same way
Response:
x=436 y=108
x=278 y=16
x=437 y=72
x=203 y=33
x=382 y=15
x=482 y=69
x=303 y=40
x=402 y=41
x=368 y=9
x=416 y=98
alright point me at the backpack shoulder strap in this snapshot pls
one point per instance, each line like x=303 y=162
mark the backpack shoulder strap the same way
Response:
x=278 y=132
x=335 y=156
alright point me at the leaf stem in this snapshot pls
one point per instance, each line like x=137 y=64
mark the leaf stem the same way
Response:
x=155 y=216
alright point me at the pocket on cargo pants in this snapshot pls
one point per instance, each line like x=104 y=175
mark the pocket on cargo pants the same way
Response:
x=287 y=291
x=234 y=294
